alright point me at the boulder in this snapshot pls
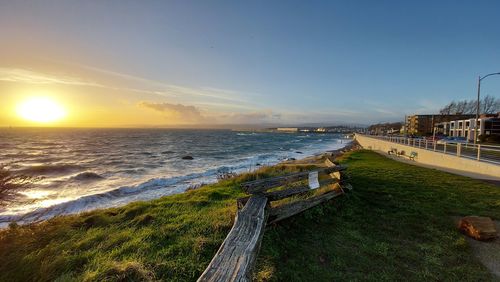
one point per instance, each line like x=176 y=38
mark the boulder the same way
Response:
x=187 y=158
x=478 y=227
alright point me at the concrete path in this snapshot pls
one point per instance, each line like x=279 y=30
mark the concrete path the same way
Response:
x=489 y=179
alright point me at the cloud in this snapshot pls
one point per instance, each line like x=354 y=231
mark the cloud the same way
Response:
x=192 y=114
x=250 y=117
x=176 y=112
x=386 y=112
x=217 y=96
x=169 y=89
x=32 y=77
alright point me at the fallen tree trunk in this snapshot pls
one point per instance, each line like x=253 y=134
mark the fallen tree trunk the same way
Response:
x=235 y=259
x=262 y=185
x=287 y=210
x=236 y=256
x=281 y=194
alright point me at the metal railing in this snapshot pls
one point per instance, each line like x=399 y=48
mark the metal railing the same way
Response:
x=479 y=152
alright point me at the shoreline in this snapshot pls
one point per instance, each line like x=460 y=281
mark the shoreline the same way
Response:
x=122 y=194
x=176 y=237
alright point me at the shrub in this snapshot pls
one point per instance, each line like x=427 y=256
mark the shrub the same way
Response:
x=11 y=183
x=489 y=138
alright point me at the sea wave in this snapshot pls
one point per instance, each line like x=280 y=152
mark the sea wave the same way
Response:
x=148 y=183
x=87 y=175
x=50 y=169
x=150 y=189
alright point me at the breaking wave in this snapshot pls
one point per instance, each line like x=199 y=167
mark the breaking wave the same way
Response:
x=87 y=176
x=50 y=169
x=94 y=172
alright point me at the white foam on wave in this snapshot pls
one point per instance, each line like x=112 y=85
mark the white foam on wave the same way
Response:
x=159 y=187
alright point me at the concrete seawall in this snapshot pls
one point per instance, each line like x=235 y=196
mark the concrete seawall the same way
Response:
x=450 y=163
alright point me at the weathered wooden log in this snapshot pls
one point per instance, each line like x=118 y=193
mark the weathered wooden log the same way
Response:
x=236 y=256
x=288 y=210
x=262 y=185
x=329 y=162
x=278 y=195
x=281 y=194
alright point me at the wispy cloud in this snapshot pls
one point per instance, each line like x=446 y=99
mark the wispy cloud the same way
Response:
x=254 y=117
x=33 y=77
x=162 y=88
x=210 y=96
x=387 y=112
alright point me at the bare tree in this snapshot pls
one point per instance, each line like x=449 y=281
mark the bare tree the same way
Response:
x=448 y=109
x=490 y=104
x=461 y=106
x=470 y=107
x=11 y=183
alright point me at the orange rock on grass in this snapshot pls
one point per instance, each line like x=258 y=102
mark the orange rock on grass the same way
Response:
x=478 y=227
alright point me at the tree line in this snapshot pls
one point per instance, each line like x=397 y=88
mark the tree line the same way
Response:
x=487 y=105
x=383 y=127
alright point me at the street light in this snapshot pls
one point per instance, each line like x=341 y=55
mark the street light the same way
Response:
x=478 y=97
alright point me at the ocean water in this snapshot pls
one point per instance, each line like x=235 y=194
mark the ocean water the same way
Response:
x=85 y=169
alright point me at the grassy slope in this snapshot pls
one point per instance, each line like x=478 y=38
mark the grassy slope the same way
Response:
x=173 y=238
x=395 y=225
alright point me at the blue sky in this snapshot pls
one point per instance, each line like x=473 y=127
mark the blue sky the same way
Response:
x=258 y=61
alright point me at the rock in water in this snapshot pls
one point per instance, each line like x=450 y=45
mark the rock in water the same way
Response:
x=478 y=227
x=187 y=158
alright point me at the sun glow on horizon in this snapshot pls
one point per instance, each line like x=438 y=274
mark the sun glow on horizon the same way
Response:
x=41 y=109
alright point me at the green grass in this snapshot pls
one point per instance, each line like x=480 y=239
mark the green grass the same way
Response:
x=173 y=238
x=395 y=225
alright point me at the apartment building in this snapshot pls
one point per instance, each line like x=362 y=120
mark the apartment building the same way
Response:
x=424 y=124
x=487 y=125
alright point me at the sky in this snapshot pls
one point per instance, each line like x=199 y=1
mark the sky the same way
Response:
x=205 y=63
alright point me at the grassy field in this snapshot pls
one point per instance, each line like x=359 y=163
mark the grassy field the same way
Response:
x=172 y=239
x=395 y=225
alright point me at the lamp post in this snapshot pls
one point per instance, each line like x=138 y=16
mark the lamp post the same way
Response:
x=478 y=99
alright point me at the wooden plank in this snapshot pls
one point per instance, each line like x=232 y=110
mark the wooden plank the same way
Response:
x=329 y=162
x=236 y=256
x=288 y=210
x=262 y=185
x=281 y=194
x=278 y=195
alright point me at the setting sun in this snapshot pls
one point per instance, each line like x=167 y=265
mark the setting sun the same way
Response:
x=41 y=109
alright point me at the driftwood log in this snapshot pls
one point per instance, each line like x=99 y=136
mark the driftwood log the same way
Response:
x=262 y=185
x=291 y=209
x=235 y=259
x=281 y=194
